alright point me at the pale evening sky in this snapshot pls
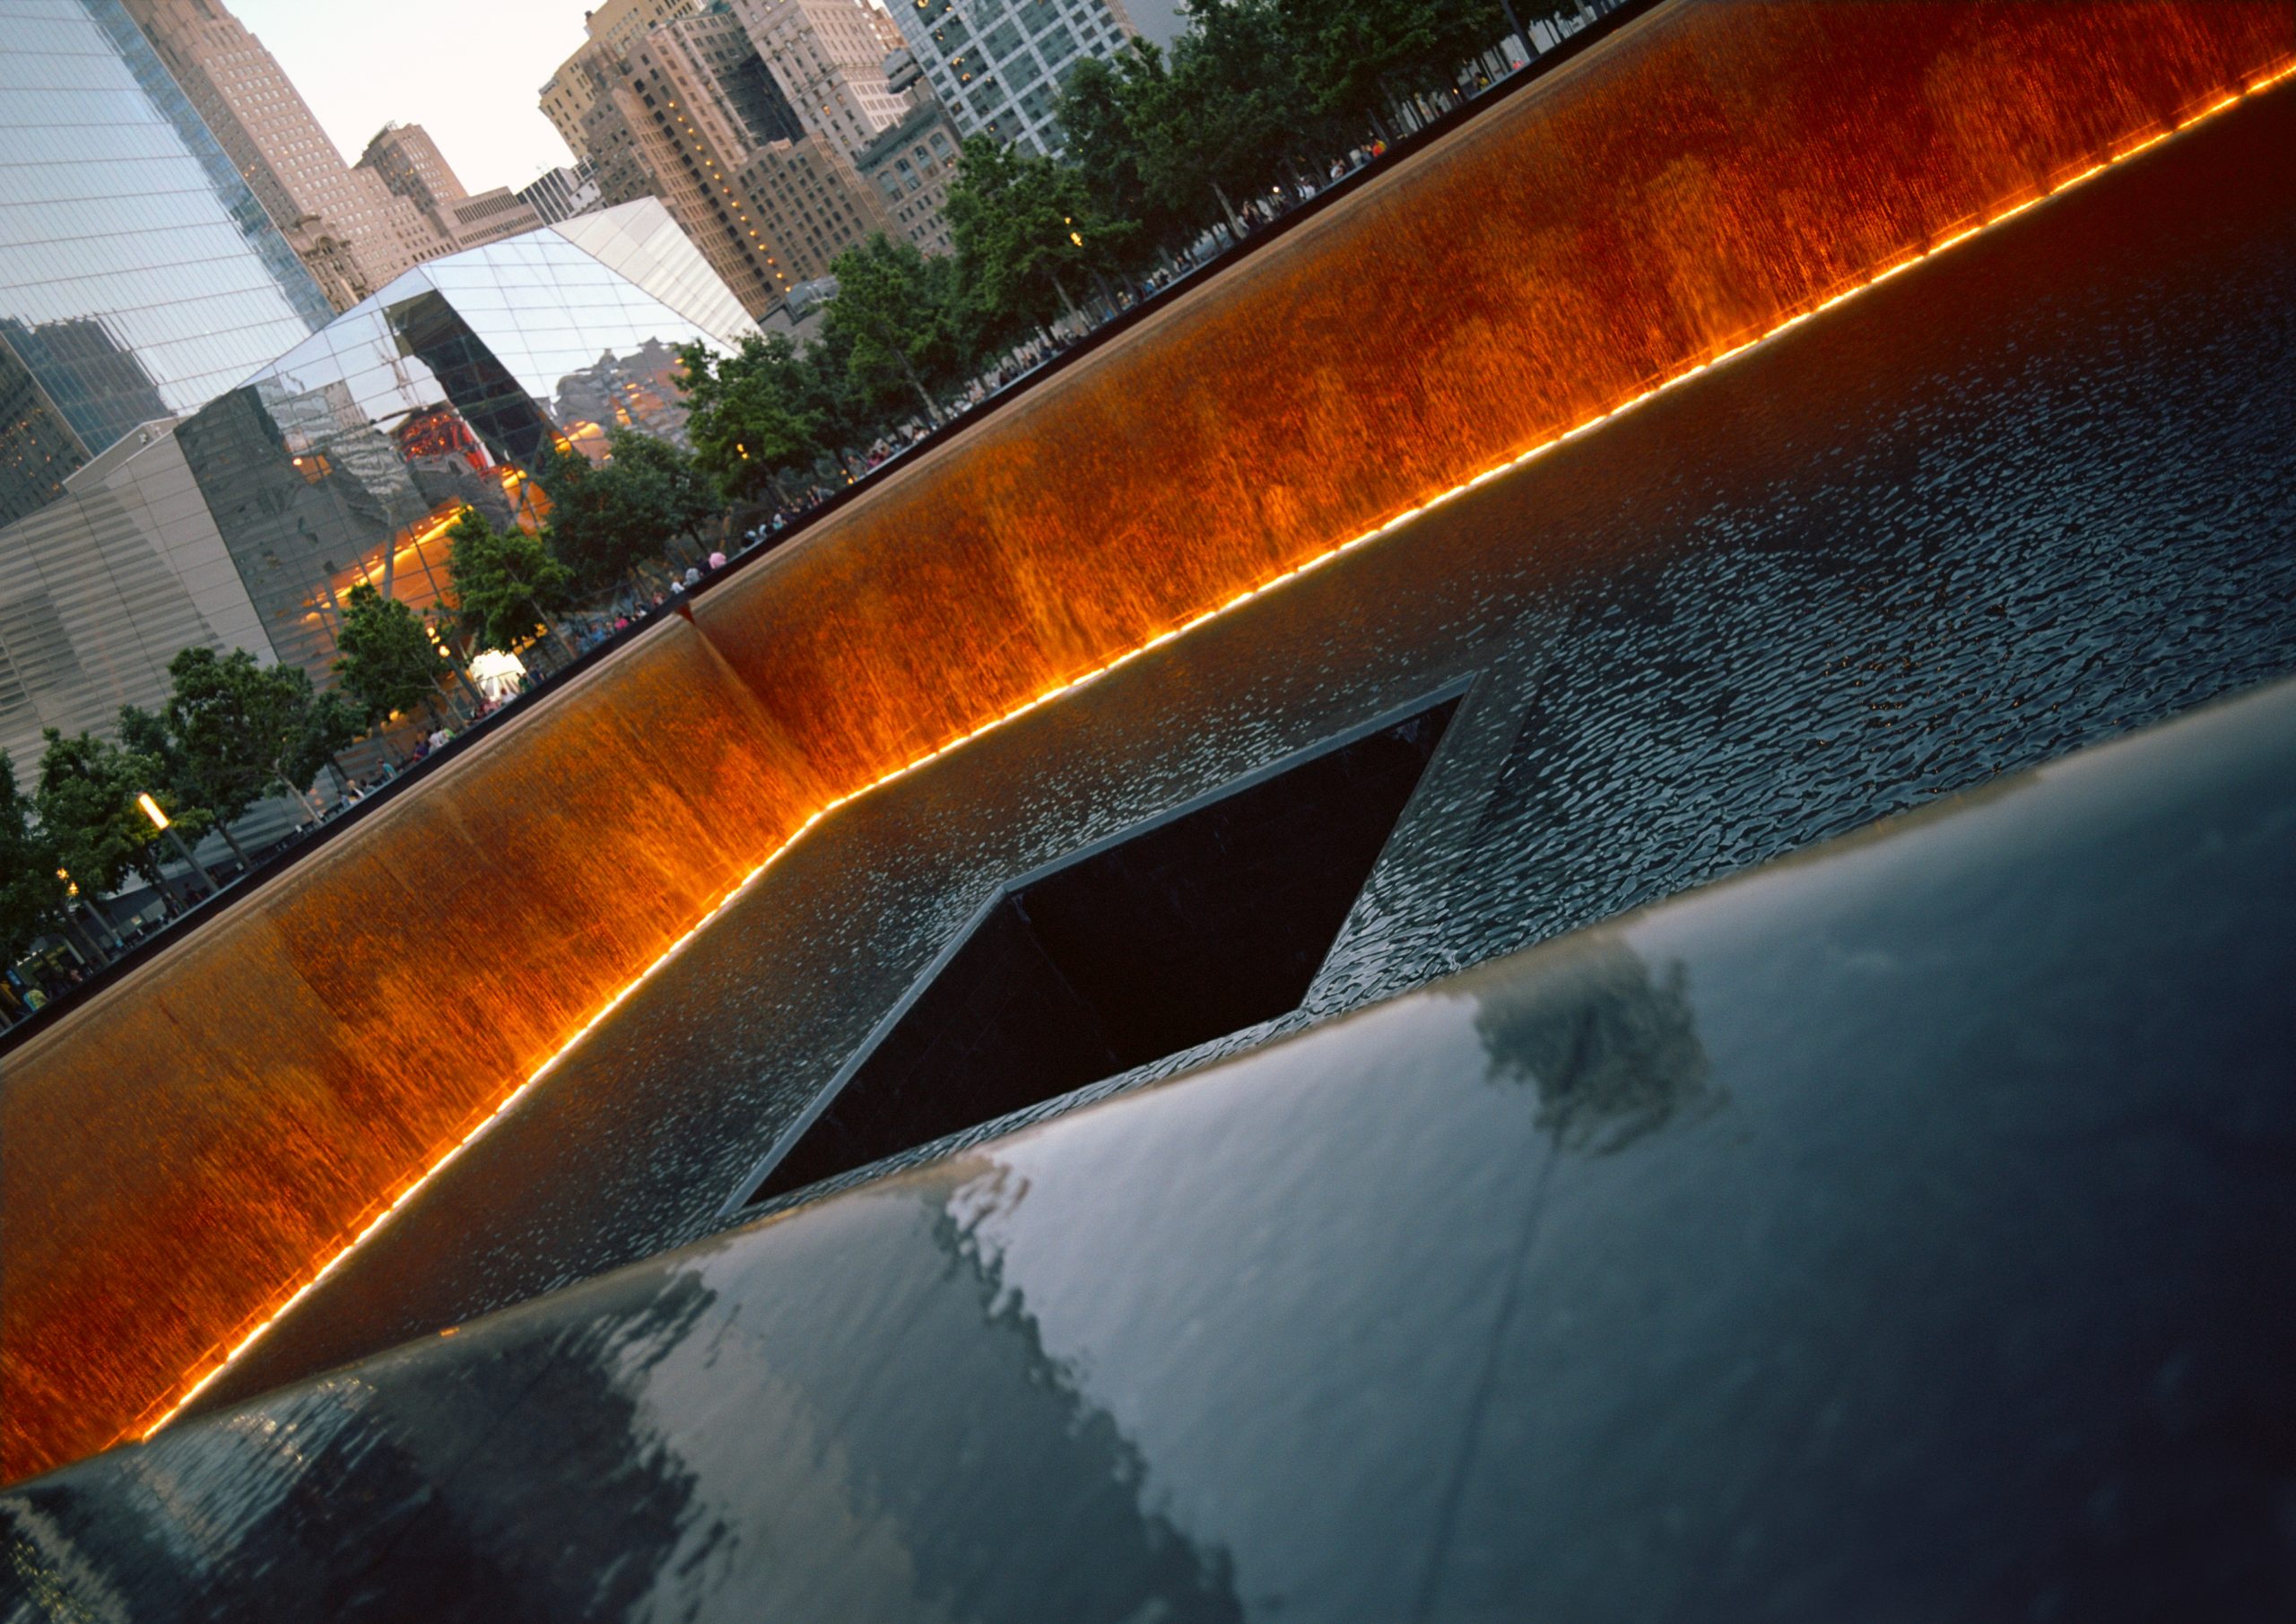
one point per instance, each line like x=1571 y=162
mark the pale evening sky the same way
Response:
x=468 y=71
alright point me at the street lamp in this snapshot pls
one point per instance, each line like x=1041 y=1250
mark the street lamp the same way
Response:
x=160 y=821
x=104 y=937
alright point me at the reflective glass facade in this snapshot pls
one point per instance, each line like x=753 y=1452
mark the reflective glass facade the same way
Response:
x=138 y=275
x=345 y=458
x=998 y=65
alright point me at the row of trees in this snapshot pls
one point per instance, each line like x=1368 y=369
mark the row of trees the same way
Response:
x=1160 y=148
x=230 y=733
x=233 y=732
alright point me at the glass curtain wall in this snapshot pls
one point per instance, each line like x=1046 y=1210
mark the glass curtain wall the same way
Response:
x=139 y=278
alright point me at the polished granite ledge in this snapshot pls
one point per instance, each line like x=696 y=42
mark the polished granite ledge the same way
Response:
x=1904 y=1229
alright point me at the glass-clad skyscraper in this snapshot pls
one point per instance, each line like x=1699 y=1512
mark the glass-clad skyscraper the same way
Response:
x=139 y=278
x=998 y=65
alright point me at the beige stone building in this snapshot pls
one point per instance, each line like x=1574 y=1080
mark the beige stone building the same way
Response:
x=765 y=126
x=572 y=91
x=811 y=206
x=696 y=121
x=829 y=57
x=411 y=164
x=909 y=166
x=353 y=232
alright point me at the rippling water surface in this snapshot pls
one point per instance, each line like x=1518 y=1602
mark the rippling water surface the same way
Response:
x=2020 y=500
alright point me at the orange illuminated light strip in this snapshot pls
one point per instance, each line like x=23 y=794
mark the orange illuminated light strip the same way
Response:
x=2053 y=188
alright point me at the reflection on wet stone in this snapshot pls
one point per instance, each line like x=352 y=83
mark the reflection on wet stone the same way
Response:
x=381 y=1498
x=1613 y=1052
x=1027 y=1437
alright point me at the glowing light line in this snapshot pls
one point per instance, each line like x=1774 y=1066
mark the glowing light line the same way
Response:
x=2055 y=187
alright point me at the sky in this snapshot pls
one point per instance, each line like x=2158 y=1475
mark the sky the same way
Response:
x=468 y=71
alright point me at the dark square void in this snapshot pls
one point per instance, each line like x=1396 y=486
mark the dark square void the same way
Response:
x=1210 y=919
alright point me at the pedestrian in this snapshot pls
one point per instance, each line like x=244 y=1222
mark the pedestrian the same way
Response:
x=694 y=575
x=716 y=560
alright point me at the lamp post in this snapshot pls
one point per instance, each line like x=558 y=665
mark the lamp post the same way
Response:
x=160 y=821
x=102 y=938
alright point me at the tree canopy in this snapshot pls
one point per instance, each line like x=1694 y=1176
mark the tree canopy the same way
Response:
x=507 y=586
x=1237 y=114
x=1025 y=229
x=1360 y=54
x=87 y=808
x=231 y=722
x=32 y=897
x=901 y=317
x=331 y=724
x=607 y=519
x=755 y=414
x=1112 y=113
x=388 y=663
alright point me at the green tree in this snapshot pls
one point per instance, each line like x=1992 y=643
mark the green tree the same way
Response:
x=329 y=726
x=1236 y=114
x=245 y=730
x=1363 y=55
x=756 y=415
x=1109 y=111
x=388 y=663
x=507 y=584
x=1025 y=229
x=607 y=520
x=175 y=784
x=33 y=899
x=899 y=313
x=220 y=738
x=88 y=810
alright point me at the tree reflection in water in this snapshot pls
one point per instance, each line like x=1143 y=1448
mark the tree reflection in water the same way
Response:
x=1614 y=1053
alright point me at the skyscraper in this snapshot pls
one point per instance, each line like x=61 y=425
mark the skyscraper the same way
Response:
x=562 y=193
x=352 y=231
x=409 y=163
x=696 y=120
x=829 y=57
x=998 y=65
x=570 y=94
x=138 y=275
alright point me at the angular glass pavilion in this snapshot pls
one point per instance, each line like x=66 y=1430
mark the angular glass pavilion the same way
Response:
x=244 y=524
